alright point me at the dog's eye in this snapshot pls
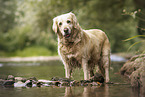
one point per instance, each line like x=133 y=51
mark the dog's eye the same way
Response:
x=60 y=23
x=68 y=21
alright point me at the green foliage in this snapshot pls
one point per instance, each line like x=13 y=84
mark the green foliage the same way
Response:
x=141 y=29
x=15 y=39
x=20 y=38
x=141 y=41
x=134 y=37
x=124 y=30
x=7 y=15
x=30 y=51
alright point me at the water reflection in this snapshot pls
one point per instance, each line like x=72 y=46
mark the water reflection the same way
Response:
x=1 y=65
x=138 y=92
x=87 y=92
x=93 y=91
x=79 y=91
x=104 y=91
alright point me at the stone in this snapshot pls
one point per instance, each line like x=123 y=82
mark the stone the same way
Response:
x=1 y=81
x=85 y=82
x=33 y=78
x=11 y=77
x=18 y=79
x=19 y=84
x=55 y=79
x=8 y=83
x=74 y=83
x=39 y=84
x=28 y=83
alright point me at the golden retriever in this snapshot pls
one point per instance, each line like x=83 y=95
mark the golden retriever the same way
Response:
x=81 y=48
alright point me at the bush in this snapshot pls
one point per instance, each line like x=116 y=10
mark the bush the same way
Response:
x=23 y=39
x=29 y=52
x=35 y=51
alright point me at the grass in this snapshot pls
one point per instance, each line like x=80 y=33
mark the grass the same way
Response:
x=29 y=52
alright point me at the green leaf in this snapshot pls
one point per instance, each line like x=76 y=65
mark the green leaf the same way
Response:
x=134 y=37
x=134 y=44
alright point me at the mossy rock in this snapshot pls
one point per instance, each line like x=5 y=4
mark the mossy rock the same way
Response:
x=134 y=69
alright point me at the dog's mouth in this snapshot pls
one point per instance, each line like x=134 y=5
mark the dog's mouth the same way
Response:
x=67 y=35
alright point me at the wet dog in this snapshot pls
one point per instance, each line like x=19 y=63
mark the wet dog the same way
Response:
x=81 y=48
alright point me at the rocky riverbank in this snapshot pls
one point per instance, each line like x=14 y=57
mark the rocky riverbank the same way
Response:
x=134 y=69
x=12 y=81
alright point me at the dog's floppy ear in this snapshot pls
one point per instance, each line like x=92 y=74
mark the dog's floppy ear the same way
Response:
x=54 y=27
x=74 y=19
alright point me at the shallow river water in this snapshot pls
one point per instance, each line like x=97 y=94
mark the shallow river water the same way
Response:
x=50 y=69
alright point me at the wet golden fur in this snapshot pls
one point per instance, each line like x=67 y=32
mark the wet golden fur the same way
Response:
x=81 y=48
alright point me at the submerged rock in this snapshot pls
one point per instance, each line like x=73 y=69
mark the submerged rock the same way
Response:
x=134 y=69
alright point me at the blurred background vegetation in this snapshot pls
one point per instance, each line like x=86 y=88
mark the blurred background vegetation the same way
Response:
x=26 y=25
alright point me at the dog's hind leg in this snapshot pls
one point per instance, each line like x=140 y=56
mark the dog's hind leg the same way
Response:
x=105 y=59
x=106 y=63
x=91 y=70
x=91 y=73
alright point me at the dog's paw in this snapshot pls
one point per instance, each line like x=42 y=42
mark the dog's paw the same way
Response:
x=109 y=83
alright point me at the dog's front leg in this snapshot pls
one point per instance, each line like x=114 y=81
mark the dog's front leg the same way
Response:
x=85 y=69
x=68 y=71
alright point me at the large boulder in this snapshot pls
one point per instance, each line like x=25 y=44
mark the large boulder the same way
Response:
x=134 y=69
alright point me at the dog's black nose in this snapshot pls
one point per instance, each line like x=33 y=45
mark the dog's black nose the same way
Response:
x=66 y=30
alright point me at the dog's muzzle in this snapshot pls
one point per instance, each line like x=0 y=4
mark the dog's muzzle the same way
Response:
x=66 y=33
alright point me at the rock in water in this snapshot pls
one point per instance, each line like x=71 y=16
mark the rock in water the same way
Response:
x=8 y=83
x=19 y=84
x=11 y=77
x=29 y=83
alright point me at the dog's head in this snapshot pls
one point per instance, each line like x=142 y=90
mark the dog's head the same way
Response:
x=65 y=24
